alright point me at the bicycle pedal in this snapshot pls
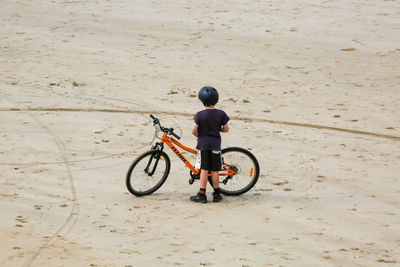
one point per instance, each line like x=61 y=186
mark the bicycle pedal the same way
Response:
x=191 y=180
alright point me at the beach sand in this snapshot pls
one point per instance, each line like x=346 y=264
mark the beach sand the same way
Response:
x=312 y=89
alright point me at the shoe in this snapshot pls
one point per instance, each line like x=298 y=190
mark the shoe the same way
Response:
x=199 y=198
x=217 y=197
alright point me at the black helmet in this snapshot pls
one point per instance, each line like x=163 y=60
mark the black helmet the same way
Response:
x=208 y=95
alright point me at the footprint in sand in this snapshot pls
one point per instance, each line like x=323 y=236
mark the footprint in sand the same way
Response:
x=321 y=178
x=280 y=183
x=386 y=260
x=348 y=49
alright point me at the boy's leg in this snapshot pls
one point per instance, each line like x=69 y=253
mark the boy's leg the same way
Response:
x=203 y=178
x=215 y=179
x=201 y=195
x=217 y=194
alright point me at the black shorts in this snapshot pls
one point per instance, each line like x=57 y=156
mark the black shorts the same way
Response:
x=210 y=160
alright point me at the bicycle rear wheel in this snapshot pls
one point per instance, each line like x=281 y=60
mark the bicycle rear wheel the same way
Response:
x=148 y=172
x=245 y=164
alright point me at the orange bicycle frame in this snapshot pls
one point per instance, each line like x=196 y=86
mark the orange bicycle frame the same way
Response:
x=171 y=141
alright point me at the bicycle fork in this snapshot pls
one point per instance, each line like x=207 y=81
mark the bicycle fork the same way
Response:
x=156 y=156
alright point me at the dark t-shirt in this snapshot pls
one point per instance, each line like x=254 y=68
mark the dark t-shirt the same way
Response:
x=210 y=122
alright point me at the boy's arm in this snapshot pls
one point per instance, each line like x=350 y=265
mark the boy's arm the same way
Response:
x=225 y=128
x=195 y=130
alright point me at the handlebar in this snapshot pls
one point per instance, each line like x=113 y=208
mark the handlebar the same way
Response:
x=168 y=131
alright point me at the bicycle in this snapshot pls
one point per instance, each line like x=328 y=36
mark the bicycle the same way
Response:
x=150 y=170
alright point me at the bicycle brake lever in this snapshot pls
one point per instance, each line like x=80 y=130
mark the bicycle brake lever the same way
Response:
x=171 y=131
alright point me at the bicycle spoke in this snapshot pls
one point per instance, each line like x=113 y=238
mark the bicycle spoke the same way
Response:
x=245 y=167
x=144 y=178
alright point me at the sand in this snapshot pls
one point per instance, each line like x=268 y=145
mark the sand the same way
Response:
x=312 y=89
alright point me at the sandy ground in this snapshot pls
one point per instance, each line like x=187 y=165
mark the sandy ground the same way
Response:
x=312 y=88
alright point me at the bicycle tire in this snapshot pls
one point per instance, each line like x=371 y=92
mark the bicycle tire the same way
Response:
x=137 y=174
x=243 y=162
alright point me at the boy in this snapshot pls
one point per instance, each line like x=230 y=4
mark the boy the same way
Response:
x=208 y=124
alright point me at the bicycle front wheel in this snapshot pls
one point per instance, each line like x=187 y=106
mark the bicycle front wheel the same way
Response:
x=148 y=172
x=246 y=167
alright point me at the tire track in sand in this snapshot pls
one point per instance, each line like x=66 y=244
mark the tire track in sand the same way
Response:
x=289 y=123
x=72 y=218
x=125 y=154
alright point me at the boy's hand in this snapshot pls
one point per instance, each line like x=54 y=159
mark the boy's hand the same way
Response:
x=195 y=130
x=225 y=128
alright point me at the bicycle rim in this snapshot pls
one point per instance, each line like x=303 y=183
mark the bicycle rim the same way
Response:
x=139 y=180
x=247 y=171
